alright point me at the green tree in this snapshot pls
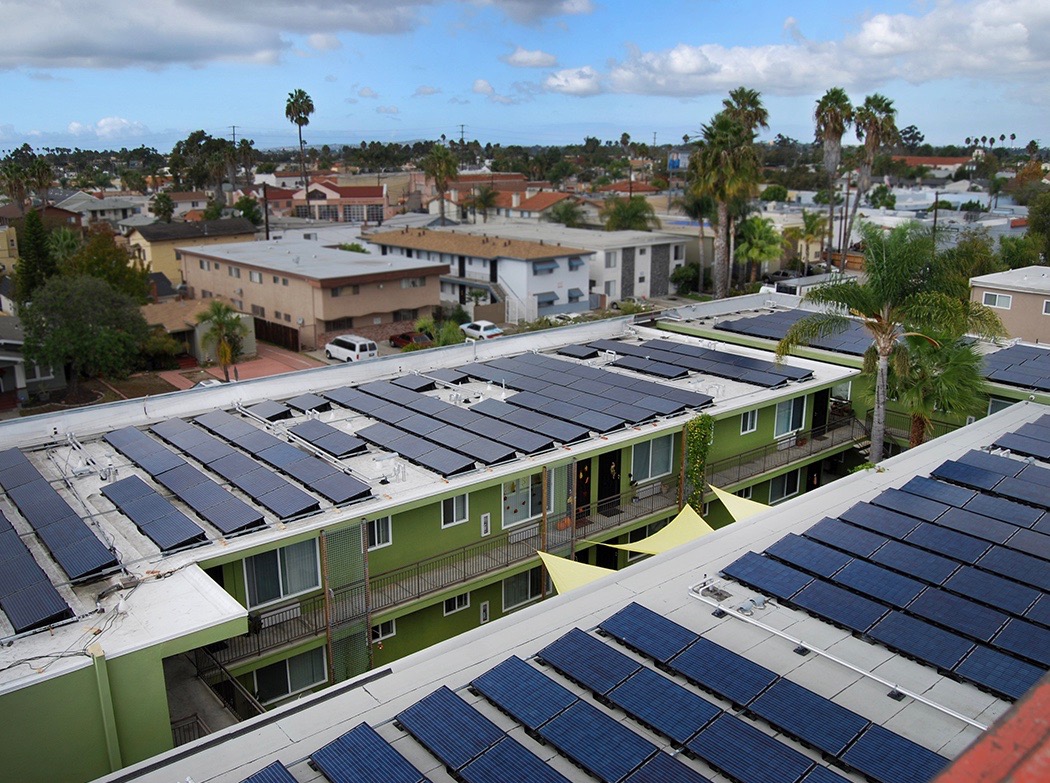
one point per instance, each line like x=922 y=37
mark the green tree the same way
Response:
x=13 y=184
x=84 y=324
x=895 y=300
x=35 y=263
x=163 y=207
x=39 y=177
x=249 y=209
x=833 y=115
x=213 y=211
x=63 y=243
x=298 y=109
x=100 y=256
x=882 y=196
x=131 y=179
x=686 y=278
x=745 y=106
x=876 y=125
x=568 y=212
x=482 y=200
x=629 y=214
x=1022 y=251
x=972 y=255
x=226 y=331
x=759 y=244
x=440 y=167
x=1039 y=220
x=774 y=193
x=814 y=229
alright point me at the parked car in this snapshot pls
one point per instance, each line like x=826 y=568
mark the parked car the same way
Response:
x=560 y=319
x=207 y=382
x=351 y=348
x=480 y=330
x=632 y=301
x=411 y=338
x=779 y=275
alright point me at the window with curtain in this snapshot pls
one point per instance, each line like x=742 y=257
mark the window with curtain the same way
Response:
x=290 y=676
x=790 y=416
x=652 y=458
x=281 y=573
x=523 y=500
x=522 y=588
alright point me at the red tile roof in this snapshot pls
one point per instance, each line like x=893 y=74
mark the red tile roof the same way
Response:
x=931 y=160
x=542 y=201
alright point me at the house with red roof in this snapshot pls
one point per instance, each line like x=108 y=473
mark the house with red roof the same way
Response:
x=326 y=200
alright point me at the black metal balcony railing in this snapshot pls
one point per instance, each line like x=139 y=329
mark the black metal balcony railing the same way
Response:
x=268 y=630
x=188 y=730
x=839 y=431
x=234 y=695
x=898 y=428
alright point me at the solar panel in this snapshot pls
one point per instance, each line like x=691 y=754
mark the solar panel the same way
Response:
x=746 y=754
x=992 y=462
x=602 y=746
x=160 y=521
x=308 y=402
x=1026 y=639
x=845 y=537
x=524 y=693
x=362 y=756
x=814 y=720
x=963 y=521
x=509 y=762
x=879 y=520
x=1018 y=566
x=288 y=501
x=340 y=488
x=823 y=775
x=272 y=773
x=839 y=606
x=967 y=475
x=663 y=705
x=915 y=562
x=1024 y=491
x=920 y=639
x=766 y=575
x=1025 y=446
x=1000 y=673
x=938 y=490
x=722 y=672
x=1040 y=611
x=649 y=633
x=232 y=516
x=878 y=583
x=661 y=768
x=992 y=590
x=808 y=555
x=449 y=728
x=588 y=661
x=890 y=758
x=957 y=546
x=958 y=613
x=1031 y=542
x=912 y=505
x=328 y=438
x=35 y=605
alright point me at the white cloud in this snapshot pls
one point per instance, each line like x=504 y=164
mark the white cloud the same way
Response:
x=367 y=92
x=387 y=110
x=482 y=87
x=424 y=90
x=324 y=42
x=575 y=81
x=532 y=11
x=108 y=128
x=526 y=58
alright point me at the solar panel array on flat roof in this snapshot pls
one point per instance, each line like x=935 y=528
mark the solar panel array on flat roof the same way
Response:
x=509 y=762
x=449 y=728
x=523 y=693
x=272 y=773
x=853 y=339
x=362 y=756
x=1019 y=365
x=67 y=537
x=26 y=594
x=581 y=657
x=153 y=515
x=601 y=745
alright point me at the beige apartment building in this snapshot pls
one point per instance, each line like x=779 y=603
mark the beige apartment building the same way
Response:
x=155 y=244
x=1021 y=299
x=302 y=292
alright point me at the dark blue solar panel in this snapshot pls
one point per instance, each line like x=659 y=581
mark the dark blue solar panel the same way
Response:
x=509 y=762
x=1040 y=611
x=890 y=758
x=879 y=520
x=963 y=521
x=308 y=402
x=1025 y=446
x=1031 y=542
x=182 y=478
x=33 y=606
x=232 y=515
x=1024 y=491
x=967 y=475
x=1025 y=639
x=722 y=672
x=588 y=661
x=340 y=488
x=450 y=728
x=878 y=583
x=958 y=613
x=839 y=606
x=921 y=640
x=948 y=543
x=992 y=462
x=663 y=705
x=160 y=521
x=823 y=775
x=362 y=756
x=915 y=562
x=767 y=575
x=816 y=721
x=527 y=695
x=747 y=754
x=992 y=590
x=808 y=555
x=938 y=490
x=661 y=768
x=912 y=505
x=1017 y=566
x=999 y=673
x=602 y=746
x=307 y=469
x=845 y=537
x=647 y=632
x=288 y=501
x=273 y=773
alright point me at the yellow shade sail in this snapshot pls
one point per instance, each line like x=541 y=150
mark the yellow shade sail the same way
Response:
x=568 y=574
x=739 y=508
x=685 y=527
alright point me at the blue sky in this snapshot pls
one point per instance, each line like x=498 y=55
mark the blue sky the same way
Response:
x=113 y=73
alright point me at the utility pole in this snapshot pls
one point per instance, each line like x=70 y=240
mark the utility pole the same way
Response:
x=461 y=132
x=233 y=130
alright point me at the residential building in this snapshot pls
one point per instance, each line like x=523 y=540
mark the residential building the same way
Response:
x=180 y=319
x=53 y=217
x=19 y=380
x=1021 y=299
x=530 y=279
x=302 y=292
x=326 y=200
x=621 y=263
x=155 y=245
x=104 y=209
x=326 y=523
x=8 y=248
x=186 y=201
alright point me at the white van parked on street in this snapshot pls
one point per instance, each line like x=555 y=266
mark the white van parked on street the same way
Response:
x=351 y=348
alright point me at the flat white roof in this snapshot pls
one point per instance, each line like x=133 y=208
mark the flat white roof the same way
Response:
x=1029 y=279
x=535 y=230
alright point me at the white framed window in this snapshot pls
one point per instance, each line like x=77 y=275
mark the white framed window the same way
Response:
x=996 y=404
x=384 y=630
x=483 y=612
x=486 y=524
x=999 y=301
x=1046 y=307
x=791 y=415
x=454 y=511
x=290 y=676
x=255 y=277
x=282 y=573
x=652 y=458
x=523 y=500
x=842 y=391
x=744 y=493
x=522 y=588
x=456 y=603
x=611 y=259
x=234 y=271
x=783 y=487
x=380 y=533
x=748 y=421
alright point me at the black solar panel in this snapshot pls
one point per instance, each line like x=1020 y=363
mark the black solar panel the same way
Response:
x=746 y=754
x=890 y=758
x=663 y=705
x=288 y=501
x=808 y=555
x=647 y=632
x=308 y=402
x=527 y=695
x=922 y=640
x=938 y=490
x=449 y=728
x=845 y=537
x=967 y=475
x=1000 y=673
x=992 y=462
x=231 y=515
x=160 y=521
x=1040 y=611
x=1018 y=566
x=958 y=614
x=270 y=410
x=943 y=541
x=1031 y=542
x=362 y=756
x=1025 y=446
x=509 y=762
x=1026 y=639
x=1024 y=491
x=839 y=606
x=963 y=521
x=661 y=768
x=915 y=562
x=912 y=505
x=878 y=583
x=992 y=590
x=766 y=575
x=722 y=672
x=328 y=438
x=879 y=520
x=602 y=746
x=811 y=718
x=588 y=661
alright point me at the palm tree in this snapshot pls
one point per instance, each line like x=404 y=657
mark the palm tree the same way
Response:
x=814 y=229
x=39 y=177
x=13 y=184
x=725 y=168
x=896 y=300
x=298 y=109
x=63 y=243
x=745 y=106
x=760 y=243
x=833 y=115
x=163 y=207
x=568 y=212
x=226 y=330
x=482 y=200
x=699 y=208
x=440 y=167
x=629 y=214
x=876 y=125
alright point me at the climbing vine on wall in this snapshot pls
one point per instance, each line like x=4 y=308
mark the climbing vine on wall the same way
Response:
x=698 y=436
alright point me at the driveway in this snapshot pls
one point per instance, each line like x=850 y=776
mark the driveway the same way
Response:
x=269 y=360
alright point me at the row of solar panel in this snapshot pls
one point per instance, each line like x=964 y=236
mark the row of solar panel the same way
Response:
x=850 y=739
x=852 y=340
x=1019 y=365
x=318 y=475
x=275 y=411
x=226 y=512
x=67 y=537
x=153 y=515
x=26 y=594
